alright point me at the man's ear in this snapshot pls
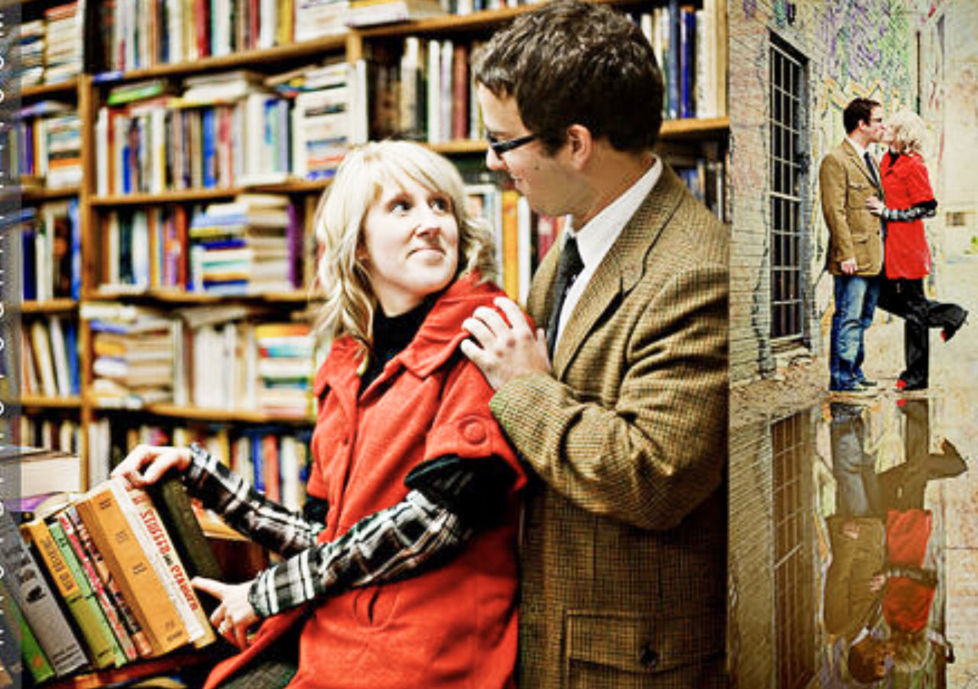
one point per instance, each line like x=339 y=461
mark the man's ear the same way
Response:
x=580 y=145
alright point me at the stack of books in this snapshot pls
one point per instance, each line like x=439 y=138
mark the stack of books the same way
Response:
x=30 y=42
x=245 y=246
x=63 y=44
x=327 y=121
x=102 y=579
x=133 y=347
x=49 y=357
x=285 y=368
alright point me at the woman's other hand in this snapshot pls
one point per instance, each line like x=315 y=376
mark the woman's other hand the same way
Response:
x=147 y=463
x=234 y=616
x=874 y=205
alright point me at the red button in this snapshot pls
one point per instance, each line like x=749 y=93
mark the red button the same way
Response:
x=474 y=431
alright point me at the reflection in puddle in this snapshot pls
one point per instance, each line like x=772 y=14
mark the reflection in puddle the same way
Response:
x=850 y=589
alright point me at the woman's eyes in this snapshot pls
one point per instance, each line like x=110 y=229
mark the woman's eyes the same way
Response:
x=437 y=203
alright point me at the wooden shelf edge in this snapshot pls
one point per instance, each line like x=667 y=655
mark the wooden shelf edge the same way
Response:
x=138 y=670
x=242 y=59
x=694 y=127
x=239 y=416
x=298 y=186
x=176 y=297
x=50 y=402
x=40 y=194
x=47 y=306
x=64 y=87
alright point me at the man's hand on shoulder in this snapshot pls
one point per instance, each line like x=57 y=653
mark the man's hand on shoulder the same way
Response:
x=504 y=348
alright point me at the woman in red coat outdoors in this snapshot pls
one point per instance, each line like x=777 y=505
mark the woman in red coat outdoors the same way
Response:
x=401 y=571
x=907 y=261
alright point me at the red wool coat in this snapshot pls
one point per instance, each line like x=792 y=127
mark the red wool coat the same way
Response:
x=906 y=603
x=454 y=626
x=906 y=184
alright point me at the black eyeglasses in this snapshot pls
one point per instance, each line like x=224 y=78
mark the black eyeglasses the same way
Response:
x=499 y=147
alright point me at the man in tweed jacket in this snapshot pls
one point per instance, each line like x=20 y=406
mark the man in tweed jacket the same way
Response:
x=624 y=541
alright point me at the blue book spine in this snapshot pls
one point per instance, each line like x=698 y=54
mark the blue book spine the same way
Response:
x=687 y=63
x=257 y=462
x=29 y=250
x=673 y=94
x=71 y=349
x=209 y=135
x=76 y=276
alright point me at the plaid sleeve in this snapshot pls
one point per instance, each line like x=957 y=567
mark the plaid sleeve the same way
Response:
x=245 y=509
x=387 y=545
x=927 y=209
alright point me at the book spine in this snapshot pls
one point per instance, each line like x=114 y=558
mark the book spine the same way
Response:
x=36 y=601
x=130 y=566
x=91 y=619
x=109 y=609
x=134 y=630
x=198 y=627
x=173 y=504
x=31 y=653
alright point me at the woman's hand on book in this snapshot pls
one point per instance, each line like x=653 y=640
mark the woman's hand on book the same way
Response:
x=147 y=463
x=234 y=616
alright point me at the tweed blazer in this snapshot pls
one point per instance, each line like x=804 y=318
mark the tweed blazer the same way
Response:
x=623 y=551
x=854 y=232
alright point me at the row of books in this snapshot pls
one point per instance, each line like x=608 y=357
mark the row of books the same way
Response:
x=253 y=245
x=49 y=357
x=227 y=130
x=425 y=93
x=50 y=240
x=50 y=47
x=44 y=144
x=206 y=356
x=102 y=579
x=274 y=459
x=689 y=45
x=64 y=435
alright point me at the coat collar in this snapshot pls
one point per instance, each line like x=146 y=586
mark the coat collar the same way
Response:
x=619 y=271
x=437 y=339
x=860 y=163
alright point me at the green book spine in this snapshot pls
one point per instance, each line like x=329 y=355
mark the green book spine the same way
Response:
x=171 y=501
x=86 y=610
x=30 y=650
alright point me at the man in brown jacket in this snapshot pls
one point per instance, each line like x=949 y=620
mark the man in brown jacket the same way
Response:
x=620 y=404
x=847 y=177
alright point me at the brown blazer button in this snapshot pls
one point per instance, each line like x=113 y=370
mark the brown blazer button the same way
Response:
x=649 y=658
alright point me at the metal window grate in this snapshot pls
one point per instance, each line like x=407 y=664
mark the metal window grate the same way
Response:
x=793 y=567
x=787 y=160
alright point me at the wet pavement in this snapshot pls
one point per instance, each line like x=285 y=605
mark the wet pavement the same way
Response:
x=854 y=526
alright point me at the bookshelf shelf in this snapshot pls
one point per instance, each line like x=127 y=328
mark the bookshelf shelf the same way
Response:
x=61 y=88
x=42 y=402
x=234 y=416
x=245 y=59
x=42 y=194
x=128 y=673
x=204 y=195
x=49 y=306
x=177 y=297
x=714 y=127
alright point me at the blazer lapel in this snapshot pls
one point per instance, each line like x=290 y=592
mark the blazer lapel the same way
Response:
x=621 y=268
x=861 y=164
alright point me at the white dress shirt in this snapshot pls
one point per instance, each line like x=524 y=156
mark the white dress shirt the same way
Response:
x=599 y=234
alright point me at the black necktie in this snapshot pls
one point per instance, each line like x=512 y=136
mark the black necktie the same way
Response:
x=872 y=168
x=568 y=267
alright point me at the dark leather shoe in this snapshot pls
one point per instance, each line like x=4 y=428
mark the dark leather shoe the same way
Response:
x=866 y=383
x=951 y=329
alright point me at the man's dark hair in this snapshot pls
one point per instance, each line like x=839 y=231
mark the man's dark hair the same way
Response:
x=572 y=62
x=862 y=663
x=858 y=110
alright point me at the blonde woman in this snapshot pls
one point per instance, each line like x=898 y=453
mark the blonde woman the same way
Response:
x=401 y=573
x=909 y=199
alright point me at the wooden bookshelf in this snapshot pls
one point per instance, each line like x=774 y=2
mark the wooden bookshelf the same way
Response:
x=64 y=305
x=42 y=402
x=175 y=297
x=225 y=415
x=61 y=88
x=42 y=194
x=689 y=129
x=296 y=186
x=135 y=671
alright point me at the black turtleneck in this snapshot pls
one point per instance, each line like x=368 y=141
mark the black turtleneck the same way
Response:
x=391 y=336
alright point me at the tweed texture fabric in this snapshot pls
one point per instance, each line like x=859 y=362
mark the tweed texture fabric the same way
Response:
x=854 y=232
x=623 y=550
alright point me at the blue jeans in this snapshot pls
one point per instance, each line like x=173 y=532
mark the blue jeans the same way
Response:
x=855 y=302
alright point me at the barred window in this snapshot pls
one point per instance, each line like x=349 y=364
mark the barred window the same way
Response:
x=788 y=168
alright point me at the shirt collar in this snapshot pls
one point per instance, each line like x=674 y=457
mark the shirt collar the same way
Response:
x=859 y=149
x=597 y=235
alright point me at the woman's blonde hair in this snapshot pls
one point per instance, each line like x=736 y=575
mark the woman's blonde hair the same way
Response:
x=350 y=300
x=909 y=132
